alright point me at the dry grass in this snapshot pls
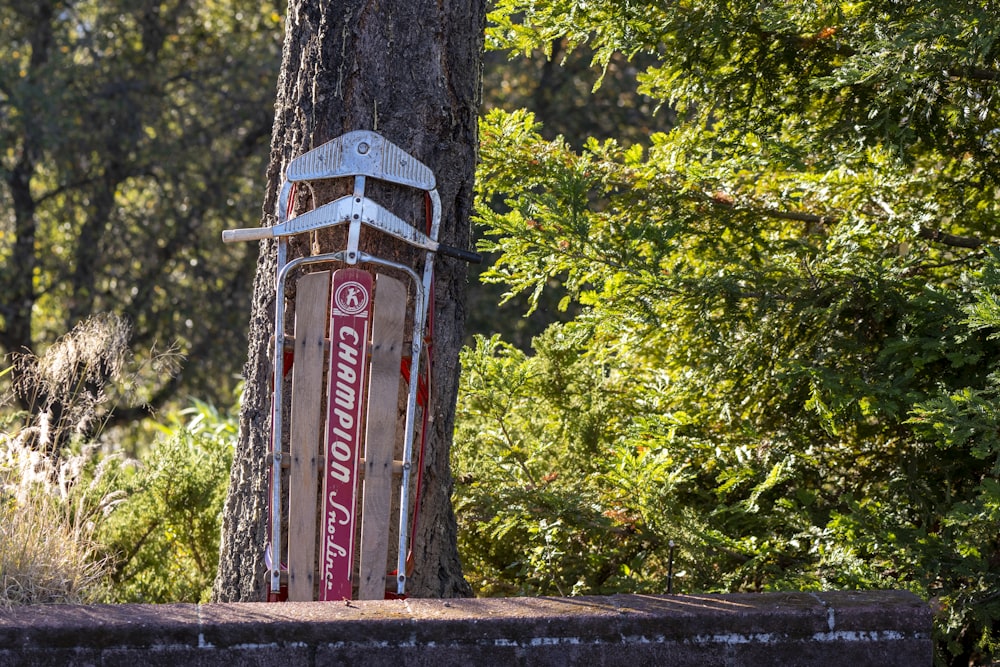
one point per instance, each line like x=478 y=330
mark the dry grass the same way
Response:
x=48 y=515
x=54 y=488
x=68 y=392
x=65 y=390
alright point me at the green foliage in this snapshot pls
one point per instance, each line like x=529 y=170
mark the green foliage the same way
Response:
x=532 y=478
x=165 y=534
x=789 y=297
x=560 y=88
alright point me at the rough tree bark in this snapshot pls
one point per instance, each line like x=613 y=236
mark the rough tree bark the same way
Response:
x=410 y=70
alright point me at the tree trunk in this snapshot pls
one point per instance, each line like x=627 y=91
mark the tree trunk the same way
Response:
x=409 y=70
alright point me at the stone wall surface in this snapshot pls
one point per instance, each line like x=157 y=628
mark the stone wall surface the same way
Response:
x=826 y=629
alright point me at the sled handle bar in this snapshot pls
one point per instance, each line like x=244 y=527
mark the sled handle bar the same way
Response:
x=457 y=253
x=342 y=211
x=261 y=233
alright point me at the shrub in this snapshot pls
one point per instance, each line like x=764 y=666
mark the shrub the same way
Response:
x=165 y=535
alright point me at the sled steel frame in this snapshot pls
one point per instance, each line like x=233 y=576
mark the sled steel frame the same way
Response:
x=361 y=155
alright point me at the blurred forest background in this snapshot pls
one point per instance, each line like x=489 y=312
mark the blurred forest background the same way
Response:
x=746 y=255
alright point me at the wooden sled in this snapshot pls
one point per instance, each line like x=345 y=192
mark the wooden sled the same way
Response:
x=338 y=455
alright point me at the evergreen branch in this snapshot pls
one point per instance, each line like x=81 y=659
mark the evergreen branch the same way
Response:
x=936 y=235
x=952 y=240
x=798 y=216
x=980 y=74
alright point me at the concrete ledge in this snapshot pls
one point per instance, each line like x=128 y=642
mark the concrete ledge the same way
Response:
x=823 y=629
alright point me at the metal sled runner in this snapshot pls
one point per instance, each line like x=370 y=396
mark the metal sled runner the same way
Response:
x=351 y=325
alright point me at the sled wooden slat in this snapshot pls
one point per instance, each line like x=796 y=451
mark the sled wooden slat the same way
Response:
x=380 y=434
x=313 y=292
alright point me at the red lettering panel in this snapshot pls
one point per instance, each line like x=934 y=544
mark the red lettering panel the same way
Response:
x=349 y=316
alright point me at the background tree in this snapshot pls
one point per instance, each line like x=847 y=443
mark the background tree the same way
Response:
x=784 y=359
x=409 y=70
x=131 y=133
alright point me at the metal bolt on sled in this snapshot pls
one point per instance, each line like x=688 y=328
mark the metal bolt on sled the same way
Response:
x=350 y=325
